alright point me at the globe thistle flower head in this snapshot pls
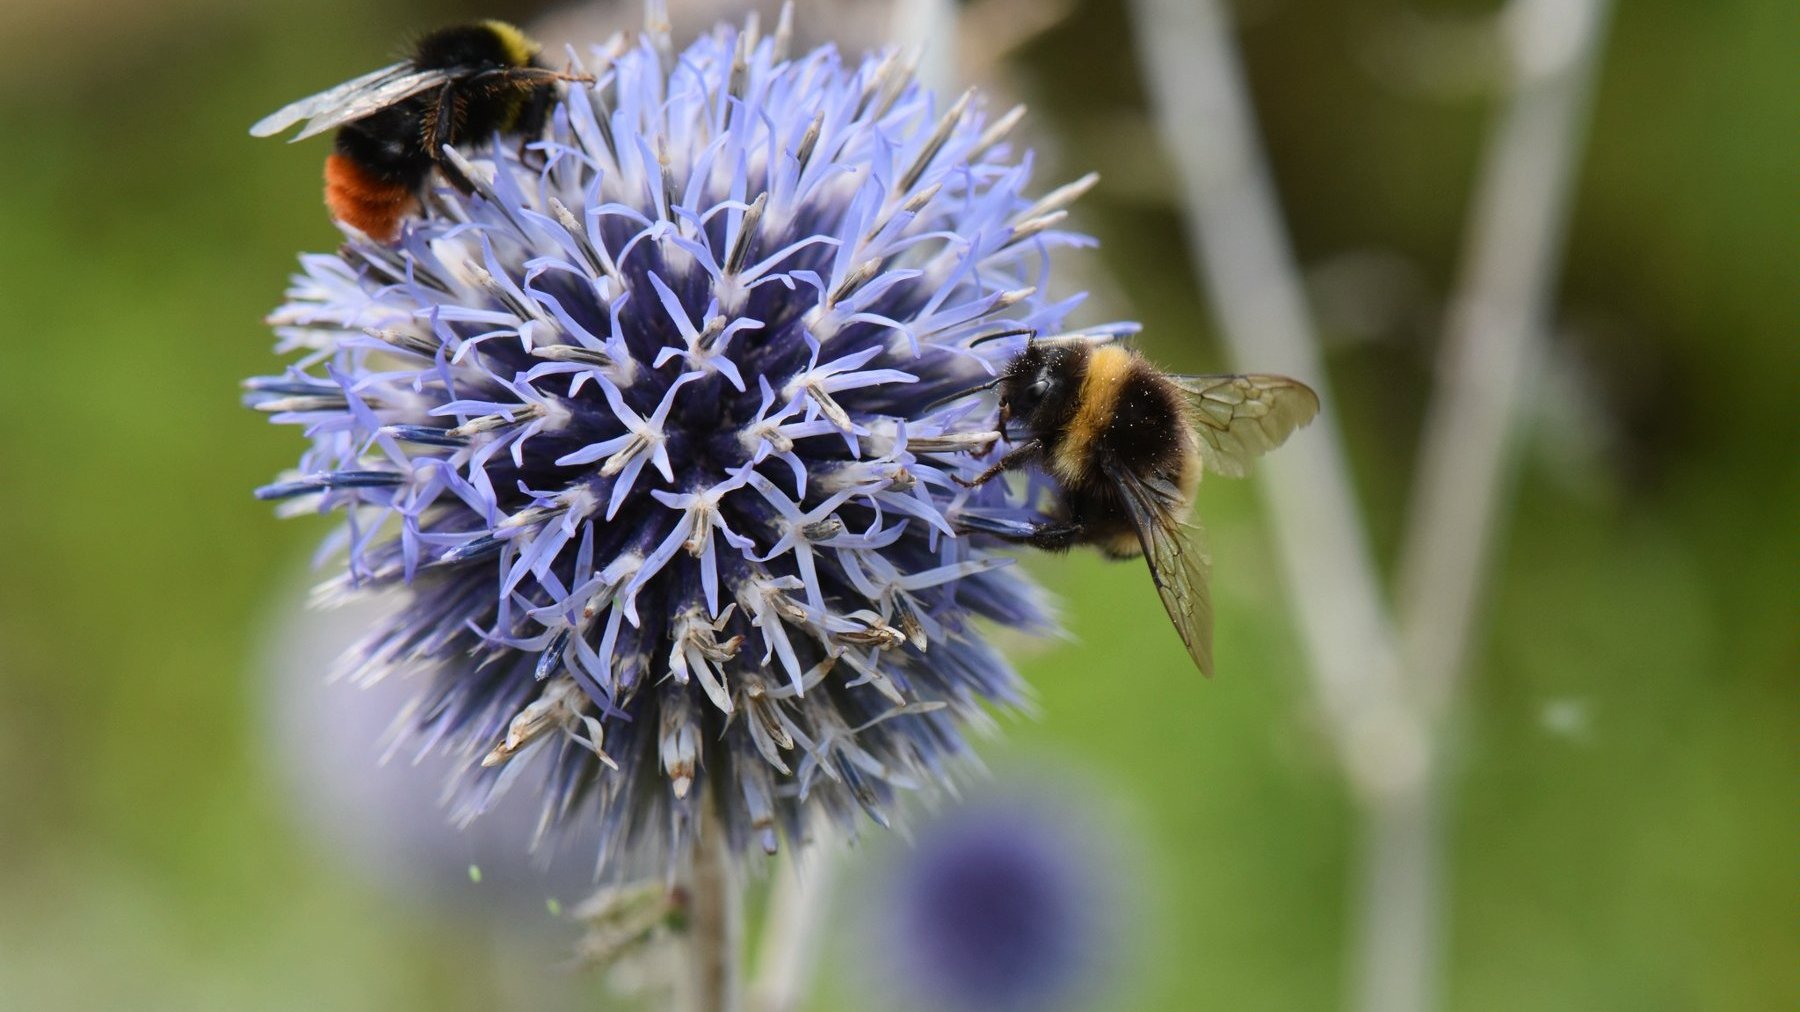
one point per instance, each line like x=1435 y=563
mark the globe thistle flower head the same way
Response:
x=1011 y=902
x=660 y=426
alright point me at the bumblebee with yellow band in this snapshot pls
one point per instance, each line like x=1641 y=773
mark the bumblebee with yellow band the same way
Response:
x=461 y=84
x=1128 y=443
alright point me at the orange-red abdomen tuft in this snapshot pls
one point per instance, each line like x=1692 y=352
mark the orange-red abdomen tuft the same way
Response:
x=364 y=201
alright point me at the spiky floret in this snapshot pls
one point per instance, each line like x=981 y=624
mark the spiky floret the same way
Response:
x=654 y=427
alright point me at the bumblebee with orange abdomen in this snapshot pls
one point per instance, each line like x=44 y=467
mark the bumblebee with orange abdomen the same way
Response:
x=1128 y=443
x=461 y=83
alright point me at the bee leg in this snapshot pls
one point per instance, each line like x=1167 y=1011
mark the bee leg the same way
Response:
x=1055 y=535
x=1017 y=457
x=1048 y=535
x=528 y=77
x=533 y=82
x=441 y=129
x=533 y=119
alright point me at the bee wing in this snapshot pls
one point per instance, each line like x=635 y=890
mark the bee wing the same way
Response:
x=294 y=112
x=1176 y=552
x=1239 y=418
x=354 y=99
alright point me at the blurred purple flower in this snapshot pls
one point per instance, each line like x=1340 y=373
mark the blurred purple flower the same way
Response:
x=385 y=820
x=1006 y=904
x=658 y=428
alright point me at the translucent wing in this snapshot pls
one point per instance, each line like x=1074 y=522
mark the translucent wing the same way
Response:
x=294 y=112
x=1177 y=556
x=352 y=100
x=1239 y=418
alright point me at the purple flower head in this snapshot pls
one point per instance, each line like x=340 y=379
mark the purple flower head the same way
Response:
x=1006 y=904
x=659 y=427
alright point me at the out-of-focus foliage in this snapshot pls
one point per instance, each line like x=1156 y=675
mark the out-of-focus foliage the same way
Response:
x=1623 y=823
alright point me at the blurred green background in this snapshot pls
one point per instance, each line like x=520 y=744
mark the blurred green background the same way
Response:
x=1623 y=826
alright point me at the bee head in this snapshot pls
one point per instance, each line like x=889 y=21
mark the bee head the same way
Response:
x=1040 y=384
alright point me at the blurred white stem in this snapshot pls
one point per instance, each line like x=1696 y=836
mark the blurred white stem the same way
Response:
x=928 y=28
x=799 y=901
x=715 y=925
x=1385 y=733
x=1249 y=272
x=1492 y=345
x=1495 y=336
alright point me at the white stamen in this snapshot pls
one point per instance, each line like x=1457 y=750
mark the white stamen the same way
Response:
x=558 y=708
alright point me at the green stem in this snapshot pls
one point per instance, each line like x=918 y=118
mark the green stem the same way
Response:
x=715 y=925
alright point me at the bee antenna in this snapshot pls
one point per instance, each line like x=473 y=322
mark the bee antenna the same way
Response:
x=960 y=394
x=1029 y=332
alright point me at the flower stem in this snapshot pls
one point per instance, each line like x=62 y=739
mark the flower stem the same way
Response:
x=715 y=925
x=799 y=904
x=1388 y=687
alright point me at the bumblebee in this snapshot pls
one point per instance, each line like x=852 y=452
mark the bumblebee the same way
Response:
x=461 y=83
x=1128 y=443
